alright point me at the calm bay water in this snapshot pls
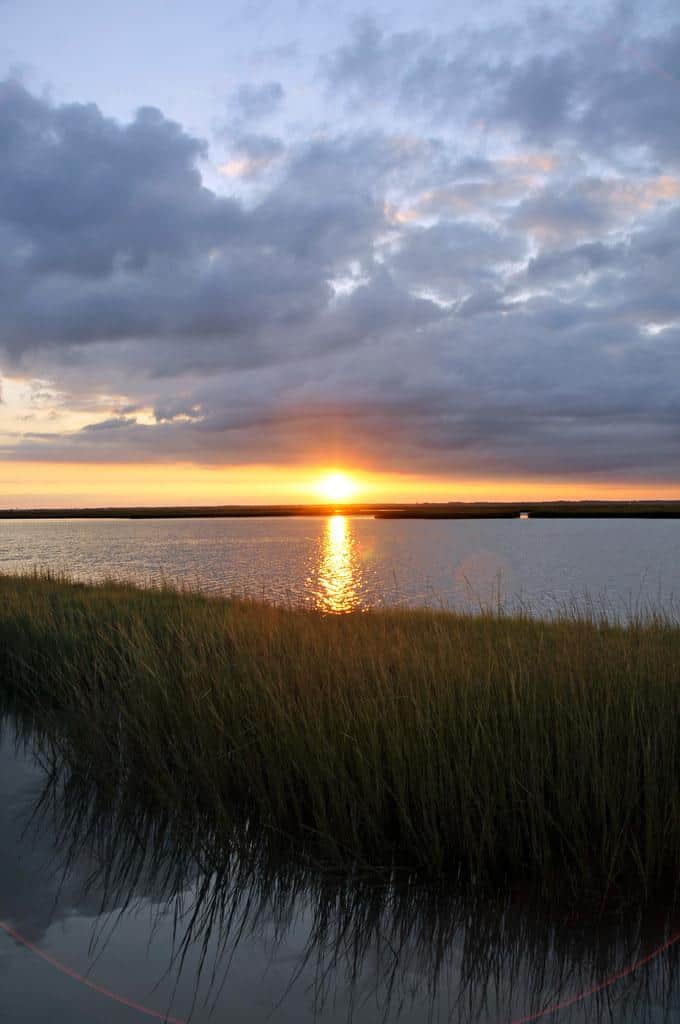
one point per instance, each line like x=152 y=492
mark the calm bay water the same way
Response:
x=341 y=563
x=155 y=925
x=134 y=921
x=133 y=918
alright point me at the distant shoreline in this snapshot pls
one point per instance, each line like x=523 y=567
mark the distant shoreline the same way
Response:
x=382 y=510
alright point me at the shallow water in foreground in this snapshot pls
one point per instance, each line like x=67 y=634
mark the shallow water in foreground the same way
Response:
x=147 y=920
x=341 y=563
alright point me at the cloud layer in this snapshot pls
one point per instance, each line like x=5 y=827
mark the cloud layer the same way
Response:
x=471 y=268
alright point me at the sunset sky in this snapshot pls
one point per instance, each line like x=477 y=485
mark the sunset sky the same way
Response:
x=435 y=246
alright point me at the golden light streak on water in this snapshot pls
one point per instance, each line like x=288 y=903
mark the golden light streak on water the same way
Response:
x=339 y=568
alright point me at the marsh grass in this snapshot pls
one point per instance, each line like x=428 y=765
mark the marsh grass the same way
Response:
x=486 y=747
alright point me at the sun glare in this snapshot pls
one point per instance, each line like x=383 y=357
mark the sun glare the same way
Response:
x=337 y=486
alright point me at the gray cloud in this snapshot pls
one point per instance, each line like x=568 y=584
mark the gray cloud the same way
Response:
x=539 y=94
x=453 y=258
x=252 y=101
x=112 y=236
x=84 y=195
x=607 y=86
x=404 y=297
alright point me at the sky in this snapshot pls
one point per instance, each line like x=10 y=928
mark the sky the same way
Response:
x=436 y=246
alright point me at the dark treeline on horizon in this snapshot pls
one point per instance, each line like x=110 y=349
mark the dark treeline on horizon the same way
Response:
x=586 y=509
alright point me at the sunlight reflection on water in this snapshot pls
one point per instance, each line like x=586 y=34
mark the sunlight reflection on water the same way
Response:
x=342 y=563
x=339 y=571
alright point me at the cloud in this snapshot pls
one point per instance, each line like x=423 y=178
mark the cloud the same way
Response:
x=607 y=86
x=452 y=259
x=252 y=154
x=538 y=94
x=111 y=236
x=466 y=272
x=591 y=207
x=253 y=102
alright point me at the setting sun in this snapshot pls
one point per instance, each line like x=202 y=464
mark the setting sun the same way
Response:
x=337 y=486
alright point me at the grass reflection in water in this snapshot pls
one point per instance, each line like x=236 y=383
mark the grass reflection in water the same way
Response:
x=398 y=945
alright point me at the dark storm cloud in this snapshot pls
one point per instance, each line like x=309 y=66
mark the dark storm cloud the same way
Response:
x=409 y=298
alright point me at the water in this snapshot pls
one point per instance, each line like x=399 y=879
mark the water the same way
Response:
x=147 y=918
x=130 y=911
x=341 y=563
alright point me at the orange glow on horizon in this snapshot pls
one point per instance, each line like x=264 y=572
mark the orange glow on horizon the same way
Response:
x=51 y=484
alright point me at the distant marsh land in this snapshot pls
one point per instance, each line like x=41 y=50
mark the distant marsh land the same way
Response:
x=489 y=748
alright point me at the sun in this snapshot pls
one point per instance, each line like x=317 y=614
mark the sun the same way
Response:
x=337 y=486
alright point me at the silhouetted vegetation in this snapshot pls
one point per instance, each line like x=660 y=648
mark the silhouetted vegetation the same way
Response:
x=661 y=509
